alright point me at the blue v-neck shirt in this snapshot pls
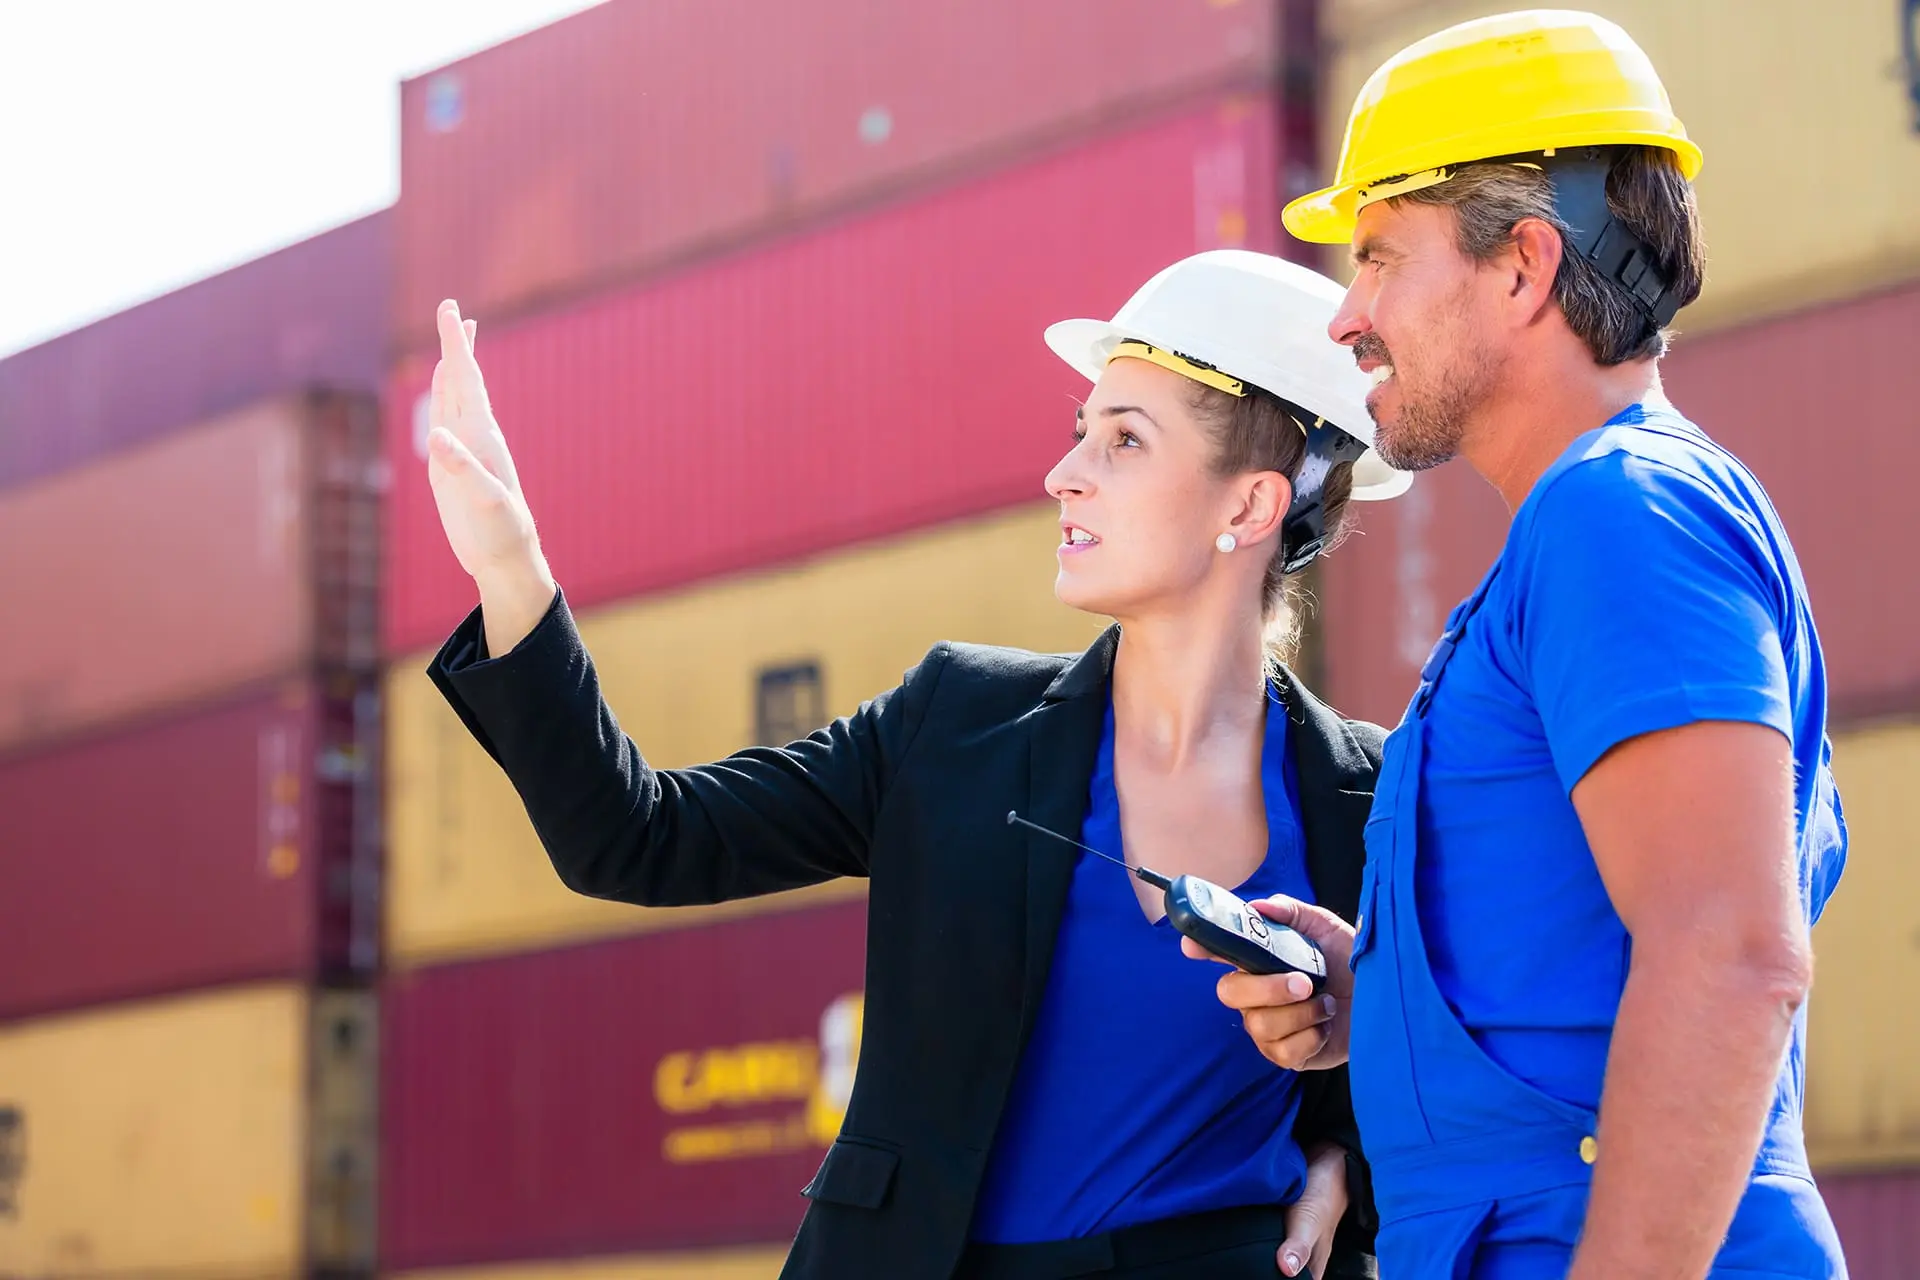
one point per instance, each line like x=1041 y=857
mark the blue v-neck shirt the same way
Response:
x=1140 y=1096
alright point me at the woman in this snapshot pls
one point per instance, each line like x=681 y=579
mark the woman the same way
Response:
x=1047 y=1087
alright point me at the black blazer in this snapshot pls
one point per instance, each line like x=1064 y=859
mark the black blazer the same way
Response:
x=911 y=791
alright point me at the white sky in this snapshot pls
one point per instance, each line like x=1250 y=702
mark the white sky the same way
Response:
x=148 y=143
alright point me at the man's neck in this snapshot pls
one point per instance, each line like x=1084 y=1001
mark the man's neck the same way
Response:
x=1542 y=406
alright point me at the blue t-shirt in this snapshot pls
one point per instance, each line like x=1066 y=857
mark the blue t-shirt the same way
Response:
x=1140 y=1096
x=1646 y=583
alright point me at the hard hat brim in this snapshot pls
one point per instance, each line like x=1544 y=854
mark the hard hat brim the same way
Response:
x=1086 y=346
x=1329 y=215
x=1317 y=217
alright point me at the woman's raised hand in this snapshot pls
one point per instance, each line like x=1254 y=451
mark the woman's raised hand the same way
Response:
x=477 y=492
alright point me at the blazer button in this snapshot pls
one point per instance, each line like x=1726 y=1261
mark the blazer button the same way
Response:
x=1589 y=1149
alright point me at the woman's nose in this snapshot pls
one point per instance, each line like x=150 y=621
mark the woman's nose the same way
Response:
x=1067 y=478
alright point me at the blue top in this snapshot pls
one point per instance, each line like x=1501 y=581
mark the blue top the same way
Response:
x=1646 y=583
x=1140 y=1096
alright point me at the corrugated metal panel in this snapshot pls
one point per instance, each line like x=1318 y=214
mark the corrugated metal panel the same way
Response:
x=627 y=136
x=1384 y=593
x=248 y=822
x=312 y=314
x=1833 y=451
x=236 y=552
x=1863 y=1092
x=172 y=1137
x=876 y=376
x=663 y=1092
x=1878 y=1215
x=1813 y=167
x=466 y=873
x=704 y=1264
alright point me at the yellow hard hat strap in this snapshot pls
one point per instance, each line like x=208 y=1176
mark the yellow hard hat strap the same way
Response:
x=1187 y=367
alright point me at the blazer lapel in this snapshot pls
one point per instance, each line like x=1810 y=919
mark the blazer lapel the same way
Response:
x=1336 y=795
x=1065 y=743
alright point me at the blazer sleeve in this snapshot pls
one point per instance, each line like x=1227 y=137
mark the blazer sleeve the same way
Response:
x=1326 y=1097
x=760 y=821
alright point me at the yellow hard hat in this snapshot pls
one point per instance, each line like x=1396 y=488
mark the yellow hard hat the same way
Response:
x=1509 y=85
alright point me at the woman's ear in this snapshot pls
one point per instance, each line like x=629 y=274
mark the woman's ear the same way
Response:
x=1265 y=497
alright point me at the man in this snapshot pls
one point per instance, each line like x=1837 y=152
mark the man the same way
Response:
x=1607 y=822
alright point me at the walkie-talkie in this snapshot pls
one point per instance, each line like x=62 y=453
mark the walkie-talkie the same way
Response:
x=1218 y=920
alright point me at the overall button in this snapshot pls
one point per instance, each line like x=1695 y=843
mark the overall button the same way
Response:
x=1589 y=1149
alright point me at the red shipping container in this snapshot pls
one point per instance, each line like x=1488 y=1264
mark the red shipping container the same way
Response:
x=673 y=1090
x=1878 y=1216
x=871 y=377
x=313 y=314
x=642 y=132
x=236 y=844
x=1819 y=404
x=243 y=550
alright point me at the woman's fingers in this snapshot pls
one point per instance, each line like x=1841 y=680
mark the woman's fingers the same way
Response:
x=1286 y=1021
x=449 y=460
x=458 y=399
x=1315 y=1216
x=468 y=388
x=1243 y=991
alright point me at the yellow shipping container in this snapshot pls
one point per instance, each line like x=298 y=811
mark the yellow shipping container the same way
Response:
x=761 y=1263
x=692 y=676
x=229 y=1134
x=1812 y=177
x=1863 y=1068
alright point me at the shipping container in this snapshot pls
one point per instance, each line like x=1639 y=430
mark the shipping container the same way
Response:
x=761 y=1263
x=1804 y=111
x=692 y=676
x=1878 y=1215
x=872 y=377
x=314 y=314
x=240 y=551
x=230 y=1134
x=240 y=842
x=628 y=137
x=1834 y=452
x=670 y=1091
x=1863 y=1089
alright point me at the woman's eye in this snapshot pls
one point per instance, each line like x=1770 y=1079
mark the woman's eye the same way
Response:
x=1079 y=432
x=1129 y=440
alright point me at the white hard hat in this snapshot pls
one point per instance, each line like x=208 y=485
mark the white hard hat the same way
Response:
x=1255 y=318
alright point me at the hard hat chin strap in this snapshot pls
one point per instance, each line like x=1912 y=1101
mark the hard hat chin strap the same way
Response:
x=1579 y=178
x=1303 y=531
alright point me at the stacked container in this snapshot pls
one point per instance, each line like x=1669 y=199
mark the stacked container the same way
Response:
x=188 y=772
x=761 y=318
x=1798 y=357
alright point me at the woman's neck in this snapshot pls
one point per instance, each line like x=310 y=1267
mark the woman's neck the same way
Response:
x=1183 y=684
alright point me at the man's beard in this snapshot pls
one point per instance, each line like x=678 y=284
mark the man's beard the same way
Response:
x=1432 y=420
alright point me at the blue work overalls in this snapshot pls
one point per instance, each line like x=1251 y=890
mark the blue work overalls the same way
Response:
x=1449 y=1132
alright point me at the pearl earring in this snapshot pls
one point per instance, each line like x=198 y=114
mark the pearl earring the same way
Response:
x=1226 y=542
